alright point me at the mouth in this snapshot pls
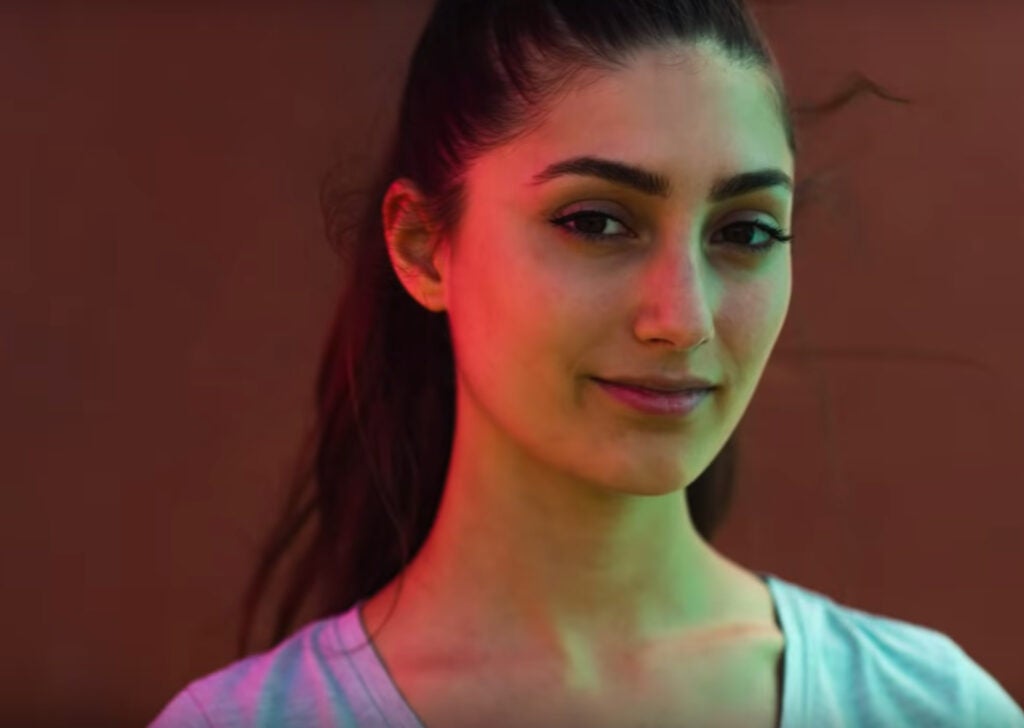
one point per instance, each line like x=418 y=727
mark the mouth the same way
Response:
x=648 y=401
x=665 y=390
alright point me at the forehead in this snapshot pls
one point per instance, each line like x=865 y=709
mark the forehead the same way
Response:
x=689 y=113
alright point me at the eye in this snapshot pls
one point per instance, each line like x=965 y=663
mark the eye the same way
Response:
x=749 y=230
x=589 y=224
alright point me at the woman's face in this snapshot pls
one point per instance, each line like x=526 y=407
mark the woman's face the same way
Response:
x=538 y=311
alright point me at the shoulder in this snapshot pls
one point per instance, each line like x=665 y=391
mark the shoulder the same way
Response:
x=856 y=634
x=856 y=663
x=301 y=681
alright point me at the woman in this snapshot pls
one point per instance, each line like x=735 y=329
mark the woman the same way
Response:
x=569 y=281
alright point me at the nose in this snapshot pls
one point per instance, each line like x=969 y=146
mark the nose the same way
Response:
x=676 y=303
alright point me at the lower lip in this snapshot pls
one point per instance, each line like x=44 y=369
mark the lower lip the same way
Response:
x=656 y=403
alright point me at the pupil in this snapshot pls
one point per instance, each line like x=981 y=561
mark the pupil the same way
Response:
x=596 y=223
x=746 y=231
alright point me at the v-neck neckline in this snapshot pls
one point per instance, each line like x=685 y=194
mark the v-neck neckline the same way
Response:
x=397 y=713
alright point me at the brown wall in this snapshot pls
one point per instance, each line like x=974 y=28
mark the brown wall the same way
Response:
x=166 y=287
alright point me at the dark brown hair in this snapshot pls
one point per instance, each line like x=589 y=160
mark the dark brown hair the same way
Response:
x=368 y=480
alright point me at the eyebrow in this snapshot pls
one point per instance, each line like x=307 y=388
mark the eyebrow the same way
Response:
x=652 y=183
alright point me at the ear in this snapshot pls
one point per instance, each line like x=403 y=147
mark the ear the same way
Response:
x=417 y=254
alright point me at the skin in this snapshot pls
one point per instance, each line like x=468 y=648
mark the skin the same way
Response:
x=563 y=541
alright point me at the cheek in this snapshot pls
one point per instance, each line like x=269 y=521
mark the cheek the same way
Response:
x=750 y=322
x=504 y=316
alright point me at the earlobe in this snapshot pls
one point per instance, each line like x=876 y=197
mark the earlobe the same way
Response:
x=412 y=244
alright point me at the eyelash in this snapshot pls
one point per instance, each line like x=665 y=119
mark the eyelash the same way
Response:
x=776 y=235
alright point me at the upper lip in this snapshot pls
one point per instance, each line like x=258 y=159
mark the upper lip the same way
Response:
x=663 y=384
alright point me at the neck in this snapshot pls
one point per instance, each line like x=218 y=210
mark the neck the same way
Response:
x=558 y=568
